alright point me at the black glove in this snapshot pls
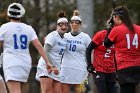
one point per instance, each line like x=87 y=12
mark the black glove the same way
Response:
x=91 y=69
x=111 y=22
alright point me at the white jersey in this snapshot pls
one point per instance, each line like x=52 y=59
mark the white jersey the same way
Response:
x=16 y=38
x=58 y=46
x=74 y=55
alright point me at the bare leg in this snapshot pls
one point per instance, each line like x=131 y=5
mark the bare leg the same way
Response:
x=76 y=88
x=2 y=86
x=14 y=86
x=65 y=88
x=56 y=87
x=46 y=84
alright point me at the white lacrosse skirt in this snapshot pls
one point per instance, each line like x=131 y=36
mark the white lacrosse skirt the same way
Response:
x=1 y=77
x=72 y=76
x=17 y=73
x=42 y=71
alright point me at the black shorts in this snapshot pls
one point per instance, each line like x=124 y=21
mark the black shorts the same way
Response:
x=129 y=75
x=1 y=72
x=108 y=77
x=106 y=82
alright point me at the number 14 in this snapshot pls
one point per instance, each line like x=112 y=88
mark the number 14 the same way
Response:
x=134 y=41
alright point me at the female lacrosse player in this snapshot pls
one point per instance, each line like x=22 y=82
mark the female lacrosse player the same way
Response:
x=16 y=37
x=55 y=44
x=103 y=64
x=74 y=68
x=126 y=38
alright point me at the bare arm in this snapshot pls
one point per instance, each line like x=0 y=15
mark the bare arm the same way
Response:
x=41 y=50
x=47 y=50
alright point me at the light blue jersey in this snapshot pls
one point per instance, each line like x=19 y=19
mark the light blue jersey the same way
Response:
x=16 y=38
x=74 y=56
x=58 y=45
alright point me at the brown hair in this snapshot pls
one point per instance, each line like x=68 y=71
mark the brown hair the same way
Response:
x=76 y=13
x=61 y=14
x=122 y=12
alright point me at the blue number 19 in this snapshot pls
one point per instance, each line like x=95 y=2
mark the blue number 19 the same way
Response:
x=23 y=41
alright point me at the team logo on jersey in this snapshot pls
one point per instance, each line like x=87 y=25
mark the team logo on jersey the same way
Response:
x=74 y=41
x=19 y=28
x=61 y=44
x=97 y=76
x=62 y=78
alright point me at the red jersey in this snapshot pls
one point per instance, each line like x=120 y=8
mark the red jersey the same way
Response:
x=127 y=46
x=103 y=58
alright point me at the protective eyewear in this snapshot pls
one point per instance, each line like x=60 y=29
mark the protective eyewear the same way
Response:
x=76 y=22
x=63 y=24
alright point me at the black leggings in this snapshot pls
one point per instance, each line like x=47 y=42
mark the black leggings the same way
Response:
x=106 y=83
x=128 y=79
x=128 y=88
